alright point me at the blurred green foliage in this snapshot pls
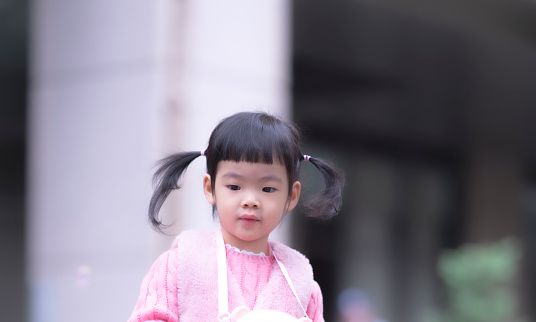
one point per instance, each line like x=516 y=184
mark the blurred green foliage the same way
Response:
x=478 y=281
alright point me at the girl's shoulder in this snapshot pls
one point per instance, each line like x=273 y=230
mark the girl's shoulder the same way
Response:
x=289 y=256
x=194 y=237
x=282 y=251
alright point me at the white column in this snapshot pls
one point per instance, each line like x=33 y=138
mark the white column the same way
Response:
x=115 y=86
x=234 y=57
x=93 y=100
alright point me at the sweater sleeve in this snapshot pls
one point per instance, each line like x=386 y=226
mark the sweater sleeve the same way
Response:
x=158 y=293
x=315 y=309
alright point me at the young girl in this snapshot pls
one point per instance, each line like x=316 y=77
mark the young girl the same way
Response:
x=253 y=164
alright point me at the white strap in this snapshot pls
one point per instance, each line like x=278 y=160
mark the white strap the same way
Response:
x=223 y=300
x=289 y=281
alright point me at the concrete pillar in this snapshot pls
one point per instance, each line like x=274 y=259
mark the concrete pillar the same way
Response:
x=364 y=262
x=234 y=57
x=114 y=87
x=494 y=190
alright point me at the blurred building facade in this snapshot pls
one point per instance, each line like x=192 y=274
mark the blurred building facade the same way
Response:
x=427 y=108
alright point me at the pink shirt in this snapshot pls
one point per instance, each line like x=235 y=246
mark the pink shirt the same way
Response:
x=158 y=296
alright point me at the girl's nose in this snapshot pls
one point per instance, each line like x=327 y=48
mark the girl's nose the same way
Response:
x=250 y=202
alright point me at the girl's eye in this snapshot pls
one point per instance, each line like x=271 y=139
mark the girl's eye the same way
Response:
x=233 y=187
x=268 y=189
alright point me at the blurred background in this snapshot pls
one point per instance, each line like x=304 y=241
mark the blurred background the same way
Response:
x=428 y=107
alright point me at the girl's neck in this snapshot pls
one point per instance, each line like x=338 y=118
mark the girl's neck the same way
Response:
x=256 y=246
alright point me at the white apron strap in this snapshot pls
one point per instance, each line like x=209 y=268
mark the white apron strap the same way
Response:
x=223 y=300
x=289 y=281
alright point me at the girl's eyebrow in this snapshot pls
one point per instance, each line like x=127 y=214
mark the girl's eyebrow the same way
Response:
x=268 y=177
x=271 y=177
x=231 y=175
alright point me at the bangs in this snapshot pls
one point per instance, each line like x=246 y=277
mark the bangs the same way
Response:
x=255 y=143
x=254 y=138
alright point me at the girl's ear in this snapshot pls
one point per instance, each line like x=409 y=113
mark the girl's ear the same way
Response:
x=207 y=189
x=294 y=196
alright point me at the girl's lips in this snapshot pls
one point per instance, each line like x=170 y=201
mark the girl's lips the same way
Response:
x=249 y=218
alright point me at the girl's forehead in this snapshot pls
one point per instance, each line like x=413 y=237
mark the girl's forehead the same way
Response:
x=251 y=169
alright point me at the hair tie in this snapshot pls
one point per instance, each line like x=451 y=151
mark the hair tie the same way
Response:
x=202 y=153
x=306 y=157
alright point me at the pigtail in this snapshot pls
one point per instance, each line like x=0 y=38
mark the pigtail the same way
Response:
x=165 y=180
x=328 y=201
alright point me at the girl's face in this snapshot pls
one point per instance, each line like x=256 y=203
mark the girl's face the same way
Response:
x=250 y=199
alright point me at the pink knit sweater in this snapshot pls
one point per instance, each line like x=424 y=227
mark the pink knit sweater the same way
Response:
x=158 y=300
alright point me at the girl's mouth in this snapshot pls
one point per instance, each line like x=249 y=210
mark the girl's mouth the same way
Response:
x=250 y=219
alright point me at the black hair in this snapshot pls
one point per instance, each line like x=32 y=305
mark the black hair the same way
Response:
x=251 y=137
